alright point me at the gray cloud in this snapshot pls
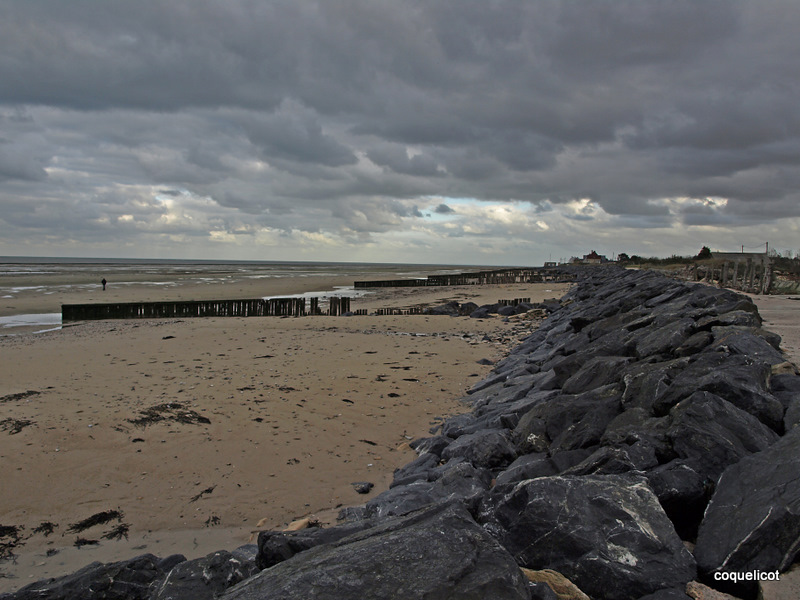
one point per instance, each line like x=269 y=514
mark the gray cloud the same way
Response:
x=339 y=118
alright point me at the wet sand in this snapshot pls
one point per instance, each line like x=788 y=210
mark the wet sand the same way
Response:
x=190 y=435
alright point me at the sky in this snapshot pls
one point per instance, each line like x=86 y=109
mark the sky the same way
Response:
x=475 y=132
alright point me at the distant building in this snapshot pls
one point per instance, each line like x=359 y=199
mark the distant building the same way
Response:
x=593 y=258
x=550 y=263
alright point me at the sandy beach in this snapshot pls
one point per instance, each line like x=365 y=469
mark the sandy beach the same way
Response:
x=124 y=437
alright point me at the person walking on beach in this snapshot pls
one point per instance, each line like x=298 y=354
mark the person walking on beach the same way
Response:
x=104 y=283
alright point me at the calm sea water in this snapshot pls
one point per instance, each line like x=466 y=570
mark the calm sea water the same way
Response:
x=43 y=276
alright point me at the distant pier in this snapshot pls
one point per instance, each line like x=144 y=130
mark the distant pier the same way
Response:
x=499 y=276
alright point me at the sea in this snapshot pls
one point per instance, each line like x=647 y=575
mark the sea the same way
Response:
x=45 y=276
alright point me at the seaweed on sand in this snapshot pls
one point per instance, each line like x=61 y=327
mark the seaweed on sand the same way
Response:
x=117 y=533
x=9 y=538
x=19 y=396
x=45 y=528
x=208 y=490
x=171 y=411
x=100 y=518
x=14 y=426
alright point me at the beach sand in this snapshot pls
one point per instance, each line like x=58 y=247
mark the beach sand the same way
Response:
x=188 y=436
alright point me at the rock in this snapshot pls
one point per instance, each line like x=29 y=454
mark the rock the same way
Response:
x=438 y=553
x=541 y=591
x=738 y=379
x=528 y=466
x=451 y=309
x=204 y=578
x=563 y=588
x=415 y=470
x=568 y=422
x=467 y=308
x=299 y=524
x=124 y=580
x=753 y=519
x=277 y=546
x=663 y=340
x=698 y=591
x=607 y=534
x=710 y=434
x=635 y=426
x=646 y=382
x=596 y=372
x=746 y=341
x=610 y=461
x=484 y=449
x=434 y=445
x=683 y=494
x=784 y=368
x=455 y=481
x=363 y=487
x=785 y=386
x=482 y=312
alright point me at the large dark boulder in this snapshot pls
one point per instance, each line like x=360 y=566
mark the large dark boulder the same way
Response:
x=596 y=372
x=739 y=379
x=683 y=494
x=607 y=534
x=456 y=480
x=125 y=580
x=710 y=434
x=204 y=578
x=527 y=466
x=277 y=546
x=753 y=519
x=568 y=422
x=636 y=426
x=415 y=470
x=663 y=340
x=484 y=449
x=439 y=553
x=748 y=341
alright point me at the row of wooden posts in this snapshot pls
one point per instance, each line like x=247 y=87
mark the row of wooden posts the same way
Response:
x=514 y=302
x=751 y=276
x=272 y=307
x=531 y=275
x=414 y=310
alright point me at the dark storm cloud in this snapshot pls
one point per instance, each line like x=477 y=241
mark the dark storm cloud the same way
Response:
x=338 y=116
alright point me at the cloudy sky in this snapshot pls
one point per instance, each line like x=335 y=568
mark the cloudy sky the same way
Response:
x=497 y=132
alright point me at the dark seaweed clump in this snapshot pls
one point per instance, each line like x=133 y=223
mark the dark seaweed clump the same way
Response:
x=100 y=518
x=172 y=412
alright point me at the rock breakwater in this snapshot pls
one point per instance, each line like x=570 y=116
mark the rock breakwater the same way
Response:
x=641 y=439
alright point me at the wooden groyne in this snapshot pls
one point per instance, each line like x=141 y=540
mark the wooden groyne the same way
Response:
x=746 y=272
x=499 y=276
x=514 y=302
x=273 y=307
